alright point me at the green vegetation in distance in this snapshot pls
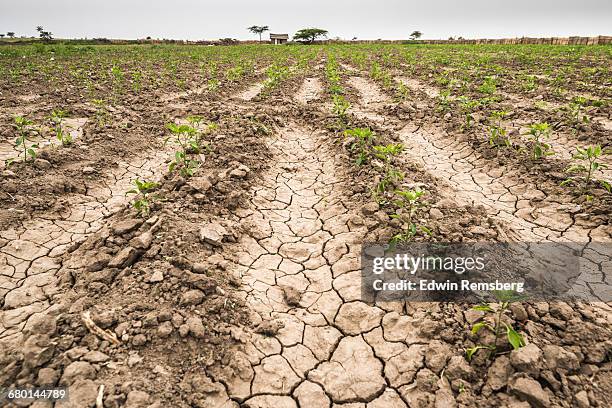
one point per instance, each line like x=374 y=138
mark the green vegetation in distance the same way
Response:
x=309 y=35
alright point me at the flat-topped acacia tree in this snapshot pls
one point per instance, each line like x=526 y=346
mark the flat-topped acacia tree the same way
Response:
x=309 y=35
x=258 y=30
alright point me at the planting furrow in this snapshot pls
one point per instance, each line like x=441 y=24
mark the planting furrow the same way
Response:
x=474 y=180
x=315 y=343
x=31 y=254
x=309 y=91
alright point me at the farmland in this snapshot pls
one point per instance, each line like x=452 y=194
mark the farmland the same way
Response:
x=183 y=224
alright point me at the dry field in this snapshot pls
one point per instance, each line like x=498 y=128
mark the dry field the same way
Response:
x=230 y=274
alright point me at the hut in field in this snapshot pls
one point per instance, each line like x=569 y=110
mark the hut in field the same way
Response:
x=279 y=38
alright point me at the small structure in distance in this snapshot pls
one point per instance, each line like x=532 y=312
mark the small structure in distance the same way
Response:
x=279 y=38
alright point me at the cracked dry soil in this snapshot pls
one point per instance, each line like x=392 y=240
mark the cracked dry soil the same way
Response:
x=243 y=289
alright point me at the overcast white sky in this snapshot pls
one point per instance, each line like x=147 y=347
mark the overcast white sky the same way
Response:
x=365 y=19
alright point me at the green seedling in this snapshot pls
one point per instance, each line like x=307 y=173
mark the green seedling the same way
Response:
x=539 y=148
x=402 y=92
x=498 y=135
x=102 y=113
x=489 y=86
x=213 y=85
x=341 y=106
x=25 y=130
x=392 y=175
x=408 y=204
x=588 y=164
x=363 y=138
x=275 y=75
x=467 y=106
x=57 y=118
x=515 y=339
x=185 y=137
x=444 y=101
x=143 y=200
x=577 y=112
x=201 y=130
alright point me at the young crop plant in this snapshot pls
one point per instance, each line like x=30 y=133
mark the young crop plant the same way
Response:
x=529 y=83
x=539 y=148
x=63 y=136
x=234 y=74
x=468 y=106
x=498 y=135
x=340 y=108
x=489 y=86
x=137 y=81
x=392 y=175
x=505 y=298
x=577 y=112
x=25 y=130
x=143 y=200
x=186 y=137
x=444 y=101
x=201 y=130
x=583 y=171
x=212 y=85
x=102 y=112
x=275 y=75
x=402 y=92
x=408 y=203
x=363 y=139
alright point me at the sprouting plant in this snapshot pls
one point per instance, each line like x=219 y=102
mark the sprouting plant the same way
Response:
x=201 y=130
x=341 y=106
x=363 y=138
x=529 y=83
x=275 y=75
x=136 y=80
x=101 y=111
x=505 y=298
x=577 y=112
x=234 y=74
x=25 y=130
x=118 y=76
x=489 y=86
x=467 y=106
x=212 y=85
x=143 y=190
x=402 y=92
x=57 y=118
x=185 y=137
x=583 y=171
x=497 y=133
x=444 y=101
x=408 y=203
x=386 y=154
x=539 y=148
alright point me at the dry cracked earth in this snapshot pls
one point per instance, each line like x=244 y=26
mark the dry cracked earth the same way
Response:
x=290 y=243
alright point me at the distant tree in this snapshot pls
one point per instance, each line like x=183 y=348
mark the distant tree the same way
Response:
x=1 y=35
x=308 y=35
x=10 y=34
x=258 y=30
x=415 y=35
x=44 y=35
x=354 y=39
